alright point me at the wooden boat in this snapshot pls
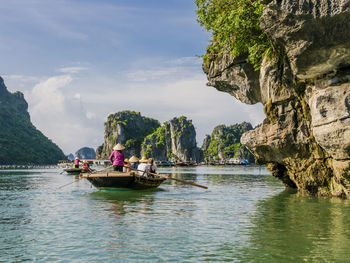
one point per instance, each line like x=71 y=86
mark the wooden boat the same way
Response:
x=75 y=170
x=114 y=179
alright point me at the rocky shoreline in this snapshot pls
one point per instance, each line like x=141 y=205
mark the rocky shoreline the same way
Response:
x=305 y=90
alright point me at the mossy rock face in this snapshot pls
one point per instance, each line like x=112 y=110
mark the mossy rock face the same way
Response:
x=128 y=128
x=305 y=90
x=20 y=141
x=224 y=143
x=175 y=140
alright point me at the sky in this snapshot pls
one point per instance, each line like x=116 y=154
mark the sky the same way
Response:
x=77 y=61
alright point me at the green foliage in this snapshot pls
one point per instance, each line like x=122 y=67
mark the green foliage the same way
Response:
x=234 y=24
x=226 y=140
x=271 y=111
x=131 y=143
x=160 y=137
x=155 y=143
x=136 y=128
x=148 y=151
x=20 y=141
x=172 y=156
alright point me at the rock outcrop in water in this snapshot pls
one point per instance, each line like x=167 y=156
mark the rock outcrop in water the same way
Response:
x=224 y=143
x=175 y=140
x=128 y=128
x=86 y=153
x=305 y=138
x=20 y=141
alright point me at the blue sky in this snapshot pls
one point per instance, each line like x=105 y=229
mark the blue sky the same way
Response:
x=77 y=61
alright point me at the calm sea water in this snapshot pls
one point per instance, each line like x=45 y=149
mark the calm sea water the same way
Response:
x=244 y=216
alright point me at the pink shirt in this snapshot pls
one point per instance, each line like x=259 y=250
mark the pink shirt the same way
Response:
x=76 y=161
x=117 y=158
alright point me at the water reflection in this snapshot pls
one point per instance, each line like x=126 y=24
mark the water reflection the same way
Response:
x=292 y=228
x=120 y=198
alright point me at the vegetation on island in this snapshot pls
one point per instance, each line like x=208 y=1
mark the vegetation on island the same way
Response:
x=174 y=140
x=129 y=128
x=224 y=143
x=20 y=141
x=235 y=26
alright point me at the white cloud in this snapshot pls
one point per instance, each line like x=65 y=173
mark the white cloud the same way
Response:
x=71 y=111
x=173 y=93
x=72 y=70
x=21 y=77
x=60 y=117
x=77 y=96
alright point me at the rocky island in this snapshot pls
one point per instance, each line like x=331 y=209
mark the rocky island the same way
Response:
x=302 y=77
x=175 y=140
x=128 y=128
x=224 y=143
x=86 y=153
x=20 y=141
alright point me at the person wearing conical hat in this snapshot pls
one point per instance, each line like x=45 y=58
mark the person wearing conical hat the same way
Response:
x=142 y=166
x=76 y=162
x=152 y=167
x=134 y=162
x=126 y=168
x=117 y=157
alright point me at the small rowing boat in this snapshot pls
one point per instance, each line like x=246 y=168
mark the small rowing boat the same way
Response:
x=114 y=179
x=75 y=170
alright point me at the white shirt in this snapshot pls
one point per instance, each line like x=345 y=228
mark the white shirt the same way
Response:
x=142 y=168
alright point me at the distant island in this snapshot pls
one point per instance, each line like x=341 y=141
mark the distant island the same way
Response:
x=20 y=141
x=174 y=141
x=86 y=153
x=224 y=143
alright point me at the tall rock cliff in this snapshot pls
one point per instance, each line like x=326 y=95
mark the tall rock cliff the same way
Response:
x=175 y=140
x=86 y=153
x=224 y=143
x=128 y=128
x=305 y=139
x=20 y=141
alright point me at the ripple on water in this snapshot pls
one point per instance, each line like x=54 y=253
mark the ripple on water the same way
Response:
x=244 y=216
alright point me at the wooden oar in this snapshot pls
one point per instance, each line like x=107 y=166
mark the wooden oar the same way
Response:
x=82 y=177
x=69 y=183
x=171 y=178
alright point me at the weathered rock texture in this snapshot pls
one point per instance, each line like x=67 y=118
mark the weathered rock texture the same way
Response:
x=224 y=143
x=86 y=153
x=128 y=128
x=175 y=141
x=20 y=141
x=305 y=139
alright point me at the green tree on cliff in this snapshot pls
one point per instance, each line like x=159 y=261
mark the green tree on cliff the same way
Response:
x=234 y=24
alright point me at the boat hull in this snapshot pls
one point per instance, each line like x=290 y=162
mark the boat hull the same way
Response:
x=117 y=180
x=73 y=170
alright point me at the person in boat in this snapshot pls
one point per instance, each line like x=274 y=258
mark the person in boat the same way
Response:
x=76 y=162
x=117 y=157
x=143 y=166
x=151 y=168
x=86 y=165
x=126 y=168
x=134 y=162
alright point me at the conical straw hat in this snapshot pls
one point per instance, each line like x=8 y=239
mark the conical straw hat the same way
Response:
x=133 y=159
x=143 y=160
x=118 y=147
